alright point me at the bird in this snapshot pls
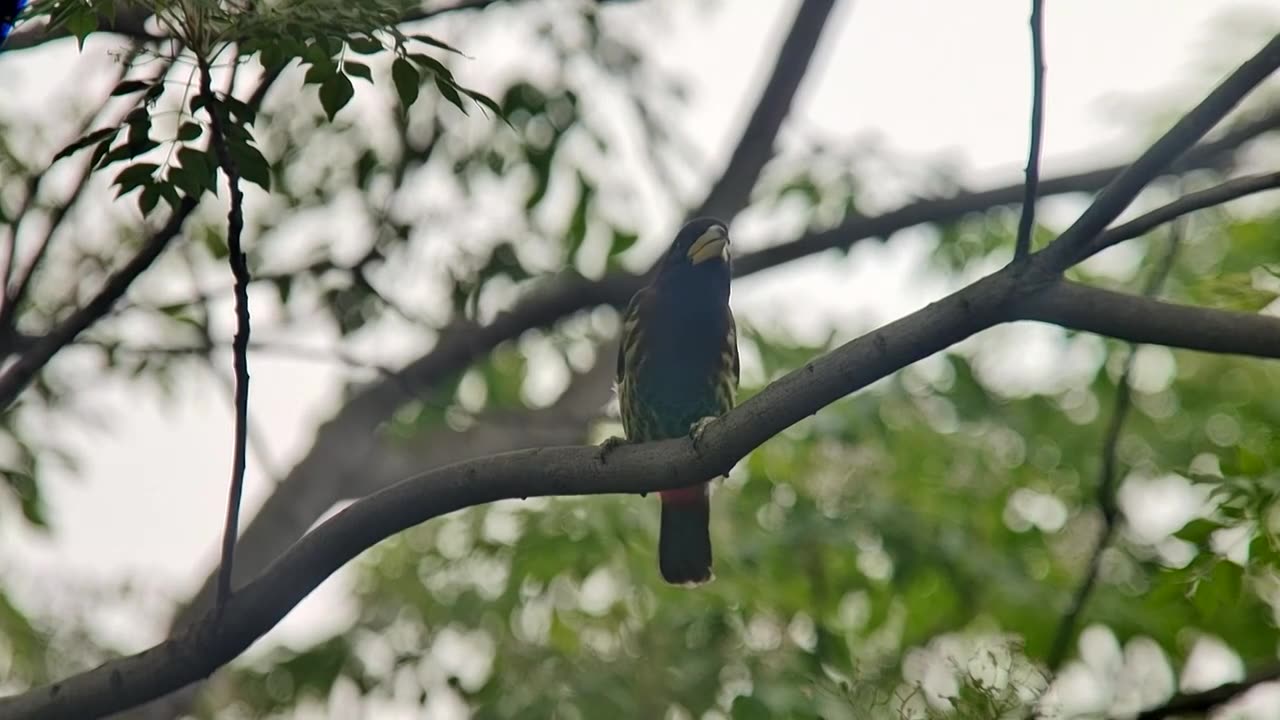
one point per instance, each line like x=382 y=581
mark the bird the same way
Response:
x=9 y=11
x=678 y=369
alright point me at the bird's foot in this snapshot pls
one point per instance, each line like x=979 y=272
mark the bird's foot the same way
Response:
x=611 y=443
x=696 y=430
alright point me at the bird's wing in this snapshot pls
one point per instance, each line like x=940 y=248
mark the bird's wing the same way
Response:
x=733 y=349
x=630 y=331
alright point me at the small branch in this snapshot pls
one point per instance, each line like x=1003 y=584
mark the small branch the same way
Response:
x=18 y=375
x=1072 y=245
x=1200 y=200
x=240 y=343
x=14 y=290
x=755 y=148
x=1107 y=475
x=1202 y=702
x=1027 y=222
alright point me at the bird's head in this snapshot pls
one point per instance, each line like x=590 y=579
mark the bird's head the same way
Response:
x=700 y=248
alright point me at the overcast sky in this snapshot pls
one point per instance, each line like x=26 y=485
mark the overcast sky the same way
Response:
x=928 y=78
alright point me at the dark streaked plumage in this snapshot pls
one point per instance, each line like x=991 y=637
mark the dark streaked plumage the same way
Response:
x=677 y=365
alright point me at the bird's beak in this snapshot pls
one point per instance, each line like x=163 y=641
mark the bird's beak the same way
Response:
x=714 y=243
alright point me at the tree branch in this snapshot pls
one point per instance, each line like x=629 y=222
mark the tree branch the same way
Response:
x=18 y=375
x=1026 y=223
x=1203 y=702
x=1200 y=200
x=1071 y=246
x=941 y=210
x=755 y=148
x=240 y=343
x=251 y=612
x=258 y=606
x=1144 y=320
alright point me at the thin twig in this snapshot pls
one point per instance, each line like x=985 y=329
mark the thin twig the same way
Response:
x=1106 y=493
x=1027 y=222
x=20 y=373
x=1191 y=202
x=240 y=343
x=1073 y=244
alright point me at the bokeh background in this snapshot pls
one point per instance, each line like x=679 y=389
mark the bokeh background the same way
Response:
x=908 y=552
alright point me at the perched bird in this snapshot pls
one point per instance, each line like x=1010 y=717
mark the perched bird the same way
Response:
x=678 y=366
x=9 y=11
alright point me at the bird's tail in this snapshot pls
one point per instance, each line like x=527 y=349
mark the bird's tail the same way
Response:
x=684 y=540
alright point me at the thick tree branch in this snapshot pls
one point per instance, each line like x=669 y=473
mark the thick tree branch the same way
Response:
x=337 y=464
x=254 y=610
x=240 y=344
x=1071 y=246
x=755 y=148
x=258 y=606
x=1144 y=320
x=1026 y=223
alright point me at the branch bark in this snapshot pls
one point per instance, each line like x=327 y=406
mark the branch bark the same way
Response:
x=347 y=459
x=755 y=148
x=238 y=261
x=1145 y=320
x=1026 y=223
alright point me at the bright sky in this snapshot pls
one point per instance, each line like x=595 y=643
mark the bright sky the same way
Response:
x=928 y=78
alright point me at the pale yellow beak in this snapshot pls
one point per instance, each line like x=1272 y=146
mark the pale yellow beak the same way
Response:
x=714 y=243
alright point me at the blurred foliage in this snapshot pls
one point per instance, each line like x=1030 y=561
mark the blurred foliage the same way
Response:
x=906 y=553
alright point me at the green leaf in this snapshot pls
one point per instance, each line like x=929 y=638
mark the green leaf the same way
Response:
x=190 y=131
x=577 y=233
x=335 y=93
x=320 y=73
x=81 y=23
x=488 y=103
x=240 y=110
x=450 y=93
x=129 y=87
x=357 y=69
x=1197 y=532
x=432 y=65
x=135 y=176
x=365 y=45
x=148 y=199
x=407 y=80
x=251 y=164
x=198 y=171
x=746 y=707
x=24 y=487
x=438 y=43
x=86 y=141
x=622 y=242
x=215 y=243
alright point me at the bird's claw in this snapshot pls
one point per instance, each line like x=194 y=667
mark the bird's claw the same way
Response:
x=610 y=444
x=696 y=430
